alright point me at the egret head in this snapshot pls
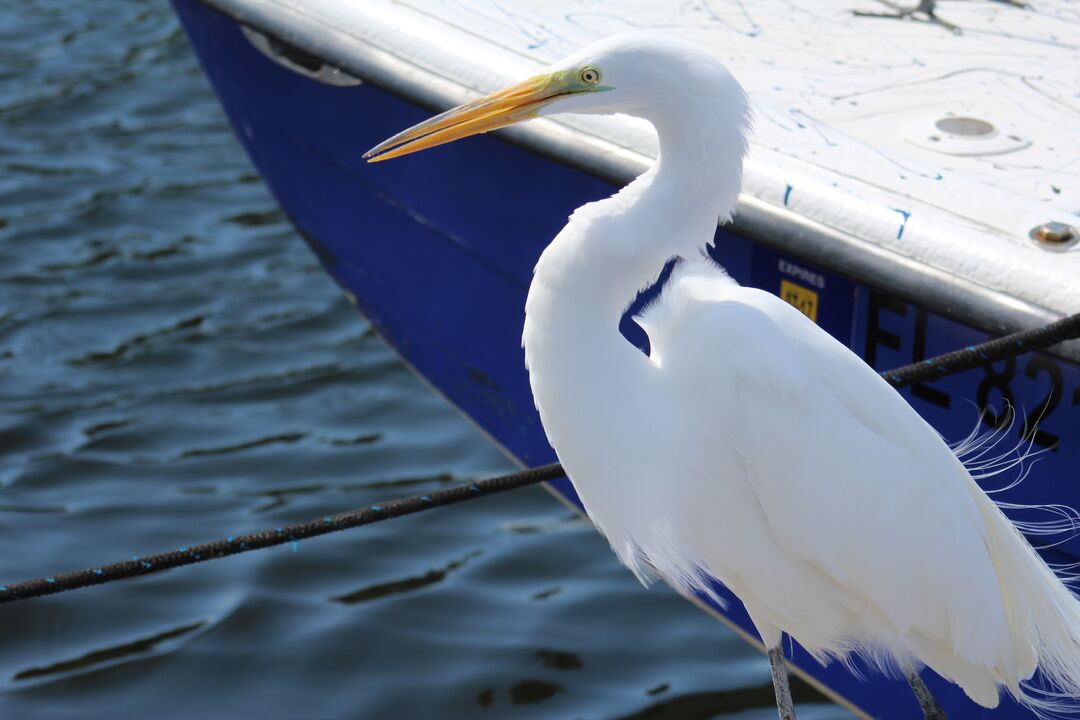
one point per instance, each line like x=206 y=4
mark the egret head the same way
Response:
x=640 y=74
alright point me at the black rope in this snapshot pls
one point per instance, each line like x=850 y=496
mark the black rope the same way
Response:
x=975 y=356
x=279 y=536
x=932 y=368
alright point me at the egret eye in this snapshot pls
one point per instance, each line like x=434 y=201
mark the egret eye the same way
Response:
x=589 y=75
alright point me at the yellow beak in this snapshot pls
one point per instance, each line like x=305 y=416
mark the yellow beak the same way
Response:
x=505 y=107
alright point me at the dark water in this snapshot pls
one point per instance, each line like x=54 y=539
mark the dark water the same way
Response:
x=175 y=367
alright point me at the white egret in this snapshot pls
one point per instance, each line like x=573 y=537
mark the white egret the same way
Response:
x=749 y=445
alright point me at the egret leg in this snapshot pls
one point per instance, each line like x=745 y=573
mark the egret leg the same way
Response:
x=931 y=710
x=784 y=706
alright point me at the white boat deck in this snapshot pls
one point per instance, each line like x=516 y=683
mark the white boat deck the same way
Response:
x=940 y=148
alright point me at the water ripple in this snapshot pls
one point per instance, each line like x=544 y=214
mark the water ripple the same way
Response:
x=109 y=654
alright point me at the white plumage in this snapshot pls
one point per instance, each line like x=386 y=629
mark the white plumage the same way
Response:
x=749 y=445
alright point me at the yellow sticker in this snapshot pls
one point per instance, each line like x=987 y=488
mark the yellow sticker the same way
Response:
x=804 y=299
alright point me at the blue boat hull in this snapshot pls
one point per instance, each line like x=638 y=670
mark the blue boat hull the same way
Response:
x=437 y=250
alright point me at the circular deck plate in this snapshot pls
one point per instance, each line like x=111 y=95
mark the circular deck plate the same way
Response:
x=964 y=133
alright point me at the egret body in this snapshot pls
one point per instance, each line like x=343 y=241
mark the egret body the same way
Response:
x=749 y=445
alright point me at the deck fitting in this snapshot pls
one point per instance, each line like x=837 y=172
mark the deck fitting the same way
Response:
x=1055 y=235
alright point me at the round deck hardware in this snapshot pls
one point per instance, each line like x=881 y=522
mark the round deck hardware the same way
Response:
x=955 y=133
x=965 y=126
x=1055 y=235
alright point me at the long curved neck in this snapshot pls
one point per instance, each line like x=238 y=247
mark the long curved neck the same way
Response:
x=612 y=249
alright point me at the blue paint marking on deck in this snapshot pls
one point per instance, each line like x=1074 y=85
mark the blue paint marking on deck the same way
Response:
x=903 y=224
x=399 y=231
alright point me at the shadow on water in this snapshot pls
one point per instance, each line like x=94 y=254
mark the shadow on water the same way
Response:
x=409 y=584
x=526 y=692
x=116 y=652
x=290 y=437
x=705 y=705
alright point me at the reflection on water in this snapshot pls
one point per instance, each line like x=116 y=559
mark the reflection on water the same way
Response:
x=175 y=367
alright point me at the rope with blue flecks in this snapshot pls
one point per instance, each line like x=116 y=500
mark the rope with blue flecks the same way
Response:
x=930 y=369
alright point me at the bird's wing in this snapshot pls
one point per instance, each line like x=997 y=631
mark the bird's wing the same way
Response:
x=861 y=510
